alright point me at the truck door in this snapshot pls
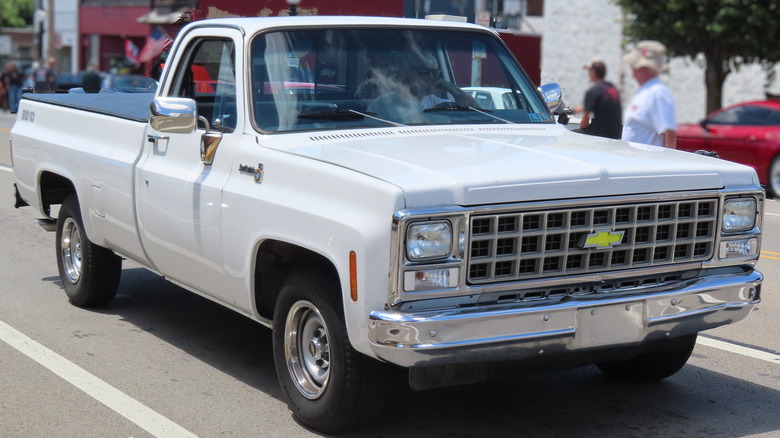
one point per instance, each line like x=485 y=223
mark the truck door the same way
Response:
x=179 y=196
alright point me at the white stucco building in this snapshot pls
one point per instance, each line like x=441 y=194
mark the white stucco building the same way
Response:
x=63 y=15
x=577 y=31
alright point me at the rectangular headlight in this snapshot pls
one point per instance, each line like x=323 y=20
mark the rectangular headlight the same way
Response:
x=739 y=214
x=428 y=240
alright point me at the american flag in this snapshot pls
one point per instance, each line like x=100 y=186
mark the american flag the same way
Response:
x=155 y=44
x=131 y=52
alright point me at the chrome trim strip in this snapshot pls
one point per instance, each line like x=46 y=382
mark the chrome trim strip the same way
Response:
x=210 y=25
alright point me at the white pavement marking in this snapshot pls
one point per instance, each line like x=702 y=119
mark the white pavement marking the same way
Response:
x=6 y=168
x=101 y=391
x=771 y=214
x=738 y=349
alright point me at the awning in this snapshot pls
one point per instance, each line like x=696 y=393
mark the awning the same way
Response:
x=166 y=15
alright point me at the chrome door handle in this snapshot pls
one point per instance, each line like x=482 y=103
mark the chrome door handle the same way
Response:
x=151 y=138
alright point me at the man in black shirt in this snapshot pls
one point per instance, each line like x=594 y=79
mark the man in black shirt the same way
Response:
x=602 y=113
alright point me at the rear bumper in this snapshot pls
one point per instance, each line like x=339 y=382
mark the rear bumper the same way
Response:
x=520 y=331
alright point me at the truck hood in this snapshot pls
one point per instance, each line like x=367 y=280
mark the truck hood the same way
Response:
x=472 y=165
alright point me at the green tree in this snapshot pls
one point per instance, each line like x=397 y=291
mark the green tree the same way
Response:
x=16 y=13
x=728 y=32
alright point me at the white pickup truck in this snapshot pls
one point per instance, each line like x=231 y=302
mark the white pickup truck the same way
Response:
x=328 y=178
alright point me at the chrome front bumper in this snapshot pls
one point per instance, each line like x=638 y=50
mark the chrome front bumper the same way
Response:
x=519 y=331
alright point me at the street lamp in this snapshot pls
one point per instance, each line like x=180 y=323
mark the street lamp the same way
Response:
x=293 y=4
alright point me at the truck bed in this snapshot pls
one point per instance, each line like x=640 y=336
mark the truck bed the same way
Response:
x=129 y=106
x=94 y=141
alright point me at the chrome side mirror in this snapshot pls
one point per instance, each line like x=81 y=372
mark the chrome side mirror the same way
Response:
x=175 y=115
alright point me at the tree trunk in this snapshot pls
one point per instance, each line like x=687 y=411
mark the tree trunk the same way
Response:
x=714 y=76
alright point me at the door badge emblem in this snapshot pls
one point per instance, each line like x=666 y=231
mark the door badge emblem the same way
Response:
x=256 y=172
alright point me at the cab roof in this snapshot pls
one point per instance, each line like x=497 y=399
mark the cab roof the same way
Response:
x=251 y=25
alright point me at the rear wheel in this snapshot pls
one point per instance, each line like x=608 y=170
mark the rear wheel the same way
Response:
x=774 y=177
x=650 y=367
x=328 y=385
x=89 y=273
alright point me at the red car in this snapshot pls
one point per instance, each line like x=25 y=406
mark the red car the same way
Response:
x=746 y=133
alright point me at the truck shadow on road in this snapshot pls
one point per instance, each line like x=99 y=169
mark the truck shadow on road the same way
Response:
x=574 y=403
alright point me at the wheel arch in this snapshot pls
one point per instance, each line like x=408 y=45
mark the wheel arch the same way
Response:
x=275 y=260
x=53 y=189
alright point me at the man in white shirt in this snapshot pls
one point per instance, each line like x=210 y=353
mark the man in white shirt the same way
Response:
x=649 y=117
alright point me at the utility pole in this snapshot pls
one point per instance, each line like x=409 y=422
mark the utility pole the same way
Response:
x=49 y=29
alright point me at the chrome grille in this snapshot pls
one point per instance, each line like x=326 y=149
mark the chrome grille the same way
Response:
x=524 y=245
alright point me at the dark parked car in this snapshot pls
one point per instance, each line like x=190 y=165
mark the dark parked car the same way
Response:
x=746 y=133
x=129 y=83
x=66 y=81
x=122 y=83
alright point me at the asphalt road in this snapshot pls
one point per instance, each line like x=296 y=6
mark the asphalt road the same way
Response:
x=162 y=362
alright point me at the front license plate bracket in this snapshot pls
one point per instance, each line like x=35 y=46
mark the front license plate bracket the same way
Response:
x=609 y=325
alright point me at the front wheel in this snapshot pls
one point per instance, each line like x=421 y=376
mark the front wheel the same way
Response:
x=89 y=273
x=650 y=367
x=329 y=386
x=774 y=177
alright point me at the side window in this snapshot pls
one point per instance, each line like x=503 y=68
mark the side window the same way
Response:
x=744 y=115
x=774 y=118
x=509 y=101
x=753 y=116
x=208 y=75
x=727 y=117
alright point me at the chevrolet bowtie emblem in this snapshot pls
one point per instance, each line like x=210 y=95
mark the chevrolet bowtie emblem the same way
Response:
x=603 y=239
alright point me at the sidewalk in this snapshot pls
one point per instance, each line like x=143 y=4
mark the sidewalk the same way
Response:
x=7 y=119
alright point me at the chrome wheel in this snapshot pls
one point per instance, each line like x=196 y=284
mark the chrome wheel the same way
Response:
x=89 y=273
x=307 y=350
x=328 y=385
x=71 y=250
x=774 y=177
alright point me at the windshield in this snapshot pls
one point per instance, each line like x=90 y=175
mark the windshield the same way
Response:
x=350 y=78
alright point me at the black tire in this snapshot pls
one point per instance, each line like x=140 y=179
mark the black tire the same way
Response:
x=89 y=273
x=328 y=385
x=774 y=177
x=651 y=367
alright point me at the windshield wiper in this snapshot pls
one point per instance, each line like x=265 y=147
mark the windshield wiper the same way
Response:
x=332 y=114
x=454 y=106
x=448 y=106
x=344 y=114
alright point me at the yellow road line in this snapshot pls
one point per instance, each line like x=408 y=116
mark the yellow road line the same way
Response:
x=765 y=255
x=4 y=130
